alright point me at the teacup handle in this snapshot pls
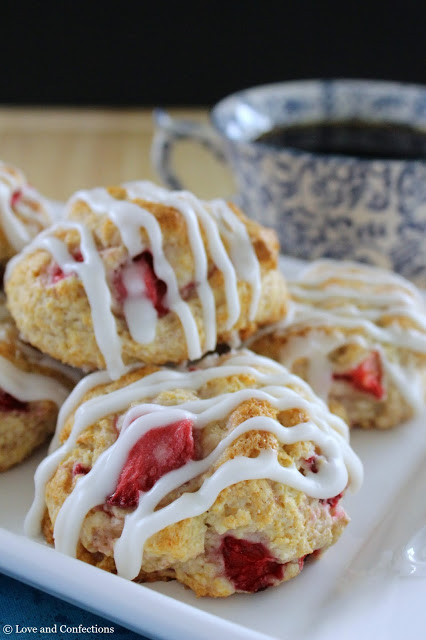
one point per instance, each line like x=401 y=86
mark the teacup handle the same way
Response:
x=168 y=132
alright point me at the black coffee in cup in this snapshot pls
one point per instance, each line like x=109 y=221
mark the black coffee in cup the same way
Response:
x=357 y=138
x=355 y=190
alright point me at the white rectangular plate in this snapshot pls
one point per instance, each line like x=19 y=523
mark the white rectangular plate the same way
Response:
x=371 y=584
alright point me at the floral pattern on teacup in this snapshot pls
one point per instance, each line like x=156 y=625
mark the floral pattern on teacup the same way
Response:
x=330 y=206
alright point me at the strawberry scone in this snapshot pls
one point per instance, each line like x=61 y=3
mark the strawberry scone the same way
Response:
x=141 y=274
x=226 y=476
x=32 y=389
x=23 y=212
x=357 y=334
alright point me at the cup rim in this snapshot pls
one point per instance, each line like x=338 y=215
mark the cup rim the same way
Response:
x=309 y=84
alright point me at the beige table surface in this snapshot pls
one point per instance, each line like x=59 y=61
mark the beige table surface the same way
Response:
x=62 y=150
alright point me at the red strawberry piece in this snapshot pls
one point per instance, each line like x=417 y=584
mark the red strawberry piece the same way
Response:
x=119 y=288
x=10 y=403
x=55 y=272
x=156 y=453
x=311 y=463
x=332 y=502
x=309 y=556
x=188 y=291
x=79 y=469
x=249 y=565
x=367 y=376
x=155 y=289
x=78 y=256
x=16 y=196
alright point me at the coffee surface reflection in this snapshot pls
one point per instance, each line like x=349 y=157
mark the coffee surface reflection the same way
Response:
x=367 y=140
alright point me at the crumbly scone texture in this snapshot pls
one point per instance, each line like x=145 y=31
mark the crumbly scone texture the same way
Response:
x=23 y=426
x=56 y=316
x=287 y=522
x=35 y=225
x=355 y=345
x=22 y=431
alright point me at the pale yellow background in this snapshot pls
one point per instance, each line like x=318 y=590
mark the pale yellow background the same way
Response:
x=61 y=151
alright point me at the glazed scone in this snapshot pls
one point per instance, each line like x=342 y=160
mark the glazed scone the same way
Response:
x=23 y=212
x=32 y=389
x=357 y=334
x=225 y=475
x=142 y=274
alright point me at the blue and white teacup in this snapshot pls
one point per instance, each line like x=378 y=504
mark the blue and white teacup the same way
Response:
x=321 y=205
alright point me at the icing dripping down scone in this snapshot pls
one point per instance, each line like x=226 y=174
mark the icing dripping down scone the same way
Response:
x=32 y=389
x=226 y=475
x=357 y=334
x=139 y=273
x=23 y=212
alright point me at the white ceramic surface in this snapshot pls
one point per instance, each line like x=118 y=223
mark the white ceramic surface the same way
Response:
x=371 y=585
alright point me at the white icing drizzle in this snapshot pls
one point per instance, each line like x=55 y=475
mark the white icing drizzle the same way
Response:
x=20 y=230
x=376 y=294
x=92 y=274
x=338 y=462
x=213 y=220
x=55 y=208
x=28 y=386
x=409 y=381
x=320 y=271
x=85 y=385
x=321 y=301
x=149 y=192
x=215 y=216
x=37 y=357
x=46 y=469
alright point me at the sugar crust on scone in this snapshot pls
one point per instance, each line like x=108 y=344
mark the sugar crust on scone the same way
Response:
x=209 y=275
x=357 y=334
x=276 y=427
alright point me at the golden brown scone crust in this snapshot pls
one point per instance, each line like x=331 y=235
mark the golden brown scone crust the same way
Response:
x=289 y=523
x=40 y=221
x=21 y=433
x=57 y=318
x=24 y=428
